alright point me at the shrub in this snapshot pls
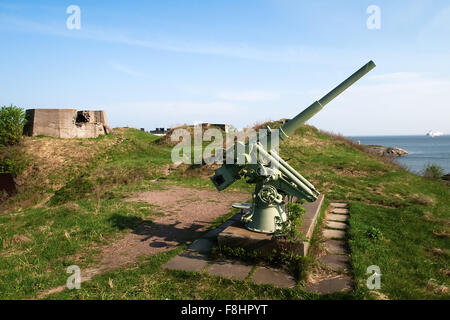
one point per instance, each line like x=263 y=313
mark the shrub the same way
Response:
x=374 y=233
x=12 y=161
x=291 y=227
x=12 y=121
x=433 y=171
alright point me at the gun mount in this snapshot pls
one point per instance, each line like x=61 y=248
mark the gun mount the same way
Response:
x=274 y=178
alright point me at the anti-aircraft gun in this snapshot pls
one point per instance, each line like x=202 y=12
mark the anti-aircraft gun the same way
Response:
x=274 y=178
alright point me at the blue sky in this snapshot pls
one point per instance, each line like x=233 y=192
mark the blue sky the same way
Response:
x=161 y=63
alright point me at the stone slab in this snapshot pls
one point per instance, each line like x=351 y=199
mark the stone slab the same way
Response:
x=275 y=277
x=335 y=225
x=212 y=234
x=229 y=269
x=336 y=246
x=337 y=217
x=202 y=245
x=339 y=205
x=237 y=235
x=340 y=211
x=333 y=234
x=187 y=261
x=333 y=284
x=335 y=262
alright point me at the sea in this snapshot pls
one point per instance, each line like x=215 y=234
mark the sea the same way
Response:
x=422 y=150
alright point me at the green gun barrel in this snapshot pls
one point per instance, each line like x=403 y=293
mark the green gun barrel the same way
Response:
x=309 y=112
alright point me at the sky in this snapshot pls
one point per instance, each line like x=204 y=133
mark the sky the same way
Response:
x=155 y=64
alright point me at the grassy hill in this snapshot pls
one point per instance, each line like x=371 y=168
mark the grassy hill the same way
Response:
x=70 y=204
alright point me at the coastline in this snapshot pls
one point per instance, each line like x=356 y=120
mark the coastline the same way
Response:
x=422 y=150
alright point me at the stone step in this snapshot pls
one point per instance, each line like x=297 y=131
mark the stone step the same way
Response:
x=335 y=225
x=188 y=261
x=337 y=217
x=332 y=284
x=336 y=246
x=339 y=205
x=275 y=277
x=333 y=234
x=229 y=269
x=340 y=211
x=335 y=262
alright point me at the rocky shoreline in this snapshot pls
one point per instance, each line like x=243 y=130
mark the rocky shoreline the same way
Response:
x=386 y=151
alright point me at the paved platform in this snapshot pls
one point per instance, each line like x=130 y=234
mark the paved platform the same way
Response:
x=187 y=261
x=333 y=284
x=202 y=245
x=336 y=259
x=275 y=277
x=237 y=235
x=230 y=269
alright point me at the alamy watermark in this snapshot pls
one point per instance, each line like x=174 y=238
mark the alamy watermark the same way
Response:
x=374 y=281
x=244 y=147
x=74 y=281
x=73 y=22
x=374 y=20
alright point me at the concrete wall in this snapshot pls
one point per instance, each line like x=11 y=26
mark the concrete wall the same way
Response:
x=66 y=123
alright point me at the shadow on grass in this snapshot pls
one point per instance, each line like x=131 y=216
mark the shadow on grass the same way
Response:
x=125 y=222
x=158 y=234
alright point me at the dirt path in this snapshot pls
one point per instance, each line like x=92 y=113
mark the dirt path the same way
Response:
x=187 y=214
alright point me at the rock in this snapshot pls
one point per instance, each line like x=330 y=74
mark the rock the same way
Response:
x=386 y=151
x=397 y=152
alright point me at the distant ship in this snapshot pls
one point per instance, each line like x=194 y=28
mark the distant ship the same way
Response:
x=433 y=134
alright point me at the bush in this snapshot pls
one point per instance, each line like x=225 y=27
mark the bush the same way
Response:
x=12 y=160
x=433 y=171
x=12 y=121
x=374 y=233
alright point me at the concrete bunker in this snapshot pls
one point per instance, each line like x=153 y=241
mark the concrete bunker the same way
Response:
x=66 y=123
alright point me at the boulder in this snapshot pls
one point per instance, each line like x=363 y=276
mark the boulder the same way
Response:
x=386 y=151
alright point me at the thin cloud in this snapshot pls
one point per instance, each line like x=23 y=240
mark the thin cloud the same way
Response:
x=398 y=76
x=404 y=102
x=249 y=96
x=122 y=68
x=241 y=50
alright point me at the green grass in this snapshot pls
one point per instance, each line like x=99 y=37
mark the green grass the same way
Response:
x=147 y=280
x=398 y=221
x=407 y=209
x=39 y=244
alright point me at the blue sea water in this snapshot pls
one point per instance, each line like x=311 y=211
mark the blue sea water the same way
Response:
x=423 y=150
